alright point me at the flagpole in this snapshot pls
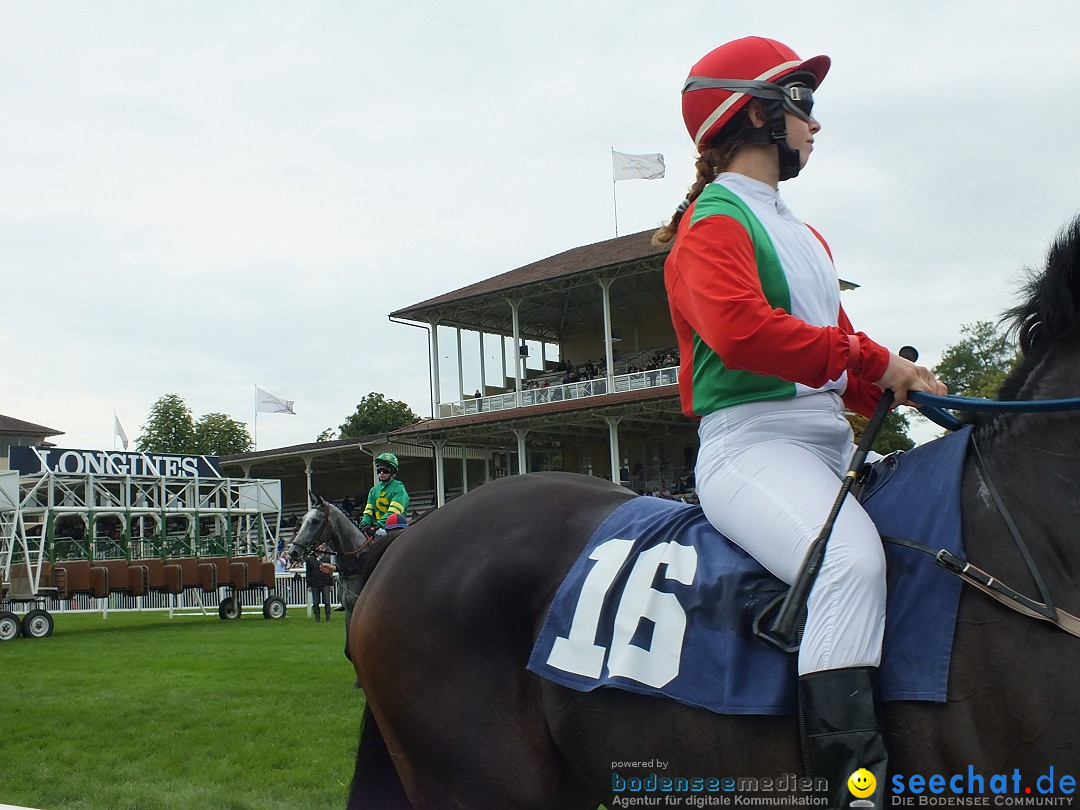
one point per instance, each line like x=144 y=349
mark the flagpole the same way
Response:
x=614 y=196
x=255 y=421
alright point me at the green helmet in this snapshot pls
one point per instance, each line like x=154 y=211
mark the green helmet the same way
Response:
x=389 y=459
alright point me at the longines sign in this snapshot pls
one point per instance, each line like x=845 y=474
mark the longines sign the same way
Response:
x=38 y=460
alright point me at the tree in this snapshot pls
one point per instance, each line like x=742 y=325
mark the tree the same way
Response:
x=169 y=428
x=326 y=436
x=892 y=436
x=978 y=364
x=217 y=434
x=377 y=414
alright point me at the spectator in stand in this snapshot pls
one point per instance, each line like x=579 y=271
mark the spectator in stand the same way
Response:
x=281 y=565
x=319 y=581
x=347 y=506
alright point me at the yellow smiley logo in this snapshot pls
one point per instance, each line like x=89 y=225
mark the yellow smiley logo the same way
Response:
x=861 y=783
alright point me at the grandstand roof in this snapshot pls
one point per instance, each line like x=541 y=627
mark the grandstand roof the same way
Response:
x=357 y=452
x=587 y=258
x=564 y=281
x=10 y=426
x=553 y=287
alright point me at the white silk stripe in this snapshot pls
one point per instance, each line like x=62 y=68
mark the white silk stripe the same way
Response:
x=734 y=99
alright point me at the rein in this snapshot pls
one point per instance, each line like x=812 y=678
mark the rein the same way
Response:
x=991 y=585
x=933 y=407
x=356 y=552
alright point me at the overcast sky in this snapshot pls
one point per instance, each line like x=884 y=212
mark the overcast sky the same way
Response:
x=201 y=197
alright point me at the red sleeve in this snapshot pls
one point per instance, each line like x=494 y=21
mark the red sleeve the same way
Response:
x=862 y=394
x=718 y=290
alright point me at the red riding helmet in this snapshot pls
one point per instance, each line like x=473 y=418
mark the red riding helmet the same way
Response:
x=747 y=64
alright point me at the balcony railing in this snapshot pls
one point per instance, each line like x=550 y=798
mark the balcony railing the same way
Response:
x=598 y=386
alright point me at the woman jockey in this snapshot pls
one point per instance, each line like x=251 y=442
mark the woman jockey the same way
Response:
x=770 y=362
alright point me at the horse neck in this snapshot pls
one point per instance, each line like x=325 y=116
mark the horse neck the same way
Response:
x=1032 y=458
x=350 y=537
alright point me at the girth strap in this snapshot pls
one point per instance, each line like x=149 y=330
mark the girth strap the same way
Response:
x=1047 y=608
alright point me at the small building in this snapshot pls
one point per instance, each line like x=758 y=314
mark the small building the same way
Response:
x=17 y=433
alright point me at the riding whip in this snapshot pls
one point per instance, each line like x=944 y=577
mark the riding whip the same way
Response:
x=785 y=627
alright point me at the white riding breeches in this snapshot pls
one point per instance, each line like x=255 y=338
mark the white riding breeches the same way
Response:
x=768 y=474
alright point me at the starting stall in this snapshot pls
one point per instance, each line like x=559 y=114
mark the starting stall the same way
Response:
x=93 y=523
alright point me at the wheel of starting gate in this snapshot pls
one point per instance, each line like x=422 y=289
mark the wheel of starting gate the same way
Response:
x=274 y=608
x=10 y=626
x=37 y=623
x=229 y=608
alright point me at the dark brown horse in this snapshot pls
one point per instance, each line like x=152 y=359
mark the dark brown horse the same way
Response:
x=446 y=623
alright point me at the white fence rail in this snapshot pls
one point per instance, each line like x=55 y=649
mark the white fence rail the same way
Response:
x=595 y=387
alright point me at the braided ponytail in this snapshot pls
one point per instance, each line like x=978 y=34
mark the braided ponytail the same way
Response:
x=710 y=163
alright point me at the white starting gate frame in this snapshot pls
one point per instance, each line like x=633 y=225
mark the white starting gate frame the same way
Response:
x=9 y=517
x=245 y=515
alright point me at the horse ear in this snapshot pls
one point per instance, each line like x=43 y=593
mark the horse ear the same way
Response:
x=316 y=499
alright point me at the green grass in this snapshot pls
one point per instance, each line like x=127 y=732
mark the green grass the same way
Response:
x=140 y=711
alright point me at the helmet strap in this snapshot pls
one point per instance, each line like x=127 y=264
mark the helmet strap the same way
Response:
x=772 y=133
x=776 y=124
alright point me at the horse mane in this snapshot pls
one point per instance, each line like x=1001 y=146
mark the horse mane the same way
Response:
x=1050 y=310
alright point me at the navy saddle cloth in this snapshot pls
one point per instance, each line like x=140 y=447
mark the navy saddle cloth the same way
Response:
x=661 y=603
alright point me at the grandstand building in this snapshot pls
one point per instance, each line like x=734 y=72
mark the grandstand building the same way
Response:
x=592 y=381
x=599 y=309
x=602 y=305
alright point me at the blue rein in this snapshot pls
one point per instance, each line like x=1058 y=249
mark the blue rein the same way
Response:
x=933 y=407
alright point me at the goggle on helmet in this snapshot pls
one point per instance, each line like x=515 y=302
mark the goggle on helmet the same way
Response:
x=794 y=94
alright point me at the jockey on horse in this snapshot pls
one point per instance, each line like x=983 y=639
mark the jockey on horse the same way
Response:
x=386 y=505
x=770 y=363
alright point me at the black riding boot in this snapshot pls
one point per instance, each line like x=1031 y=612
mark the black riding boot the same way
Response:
x=327 y=609
x=842 y=733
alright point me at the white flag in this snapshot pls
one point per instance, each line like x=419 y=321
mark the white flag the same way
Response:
x=265 y=402
x=118 y=430
x=633 y=167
